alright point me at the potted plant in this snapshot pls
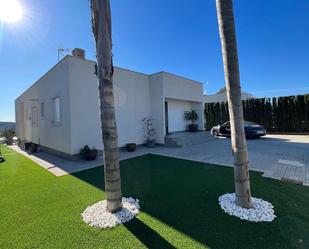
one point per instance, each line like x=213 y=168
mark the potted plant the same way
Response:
x=131 y=147
x=27 y=146
x=191 y=116
x=89 y=154
x=33 y=148
x=149 y=132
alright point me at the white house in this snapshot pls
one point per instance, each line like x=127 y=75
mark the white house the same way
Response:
x=60 y=111
x=220 y=96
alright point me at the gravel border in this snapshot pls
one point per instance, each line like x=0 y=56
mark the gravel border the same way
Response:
x=97 y=216
x=261 y=211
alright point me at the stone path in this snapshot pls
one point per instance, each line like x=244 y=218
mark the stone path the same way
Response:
x=59 y=166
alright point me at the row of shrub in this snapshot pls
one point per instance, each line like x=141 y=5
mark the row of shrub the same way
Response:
x=280 y=114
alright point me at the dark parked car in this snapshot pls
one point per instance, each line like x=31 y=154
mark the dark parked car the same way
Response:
x=251 y=130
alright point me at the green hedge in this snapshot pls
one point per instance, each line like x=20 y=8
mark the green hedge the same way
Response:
x=282 y=114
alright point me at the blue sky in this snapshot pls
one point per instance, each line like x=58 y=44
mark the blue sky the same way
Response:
x=154 y=35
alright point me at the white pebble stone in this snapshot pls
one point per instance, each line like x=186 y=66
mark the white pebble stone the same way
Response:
x=97 y=216
x=261 y=210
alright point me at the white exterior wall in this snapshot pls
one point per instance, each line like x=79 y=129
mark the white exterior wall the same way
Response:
x=84 y=102
x=132 y=102
x=137 y=96
x=157 y=106
x=176 y=87
x=182 y=95
x=52 y=84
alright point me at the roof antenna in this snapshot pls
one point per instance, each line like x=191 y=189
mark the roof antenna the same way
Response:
x=62 y=52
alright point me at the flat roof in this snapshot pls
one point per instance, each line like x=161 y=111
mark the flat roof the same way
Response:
x=71 y=56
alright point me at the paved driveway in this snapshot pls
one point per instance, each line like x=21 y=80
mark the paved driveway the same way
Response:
x=278 y=156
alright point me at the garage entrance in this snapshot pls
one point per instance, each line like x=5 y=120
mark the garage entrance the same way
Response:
x=174 y=115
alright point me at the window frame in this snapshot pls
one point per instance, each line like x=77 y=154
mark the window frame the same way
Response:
x=55 y=122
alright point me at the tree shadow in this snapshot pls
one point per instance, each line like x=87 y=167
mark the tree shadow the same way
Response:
x=184 y=195
x=146 y=235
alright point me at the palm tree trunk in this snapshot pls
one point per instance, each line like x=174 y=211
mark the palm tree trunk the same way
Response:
x=101 y=25
x=233 y=89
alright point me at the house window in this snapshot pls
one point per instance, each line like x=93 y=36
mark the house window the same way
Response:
x=42 y=110
x=56 y=110
x=34 y=116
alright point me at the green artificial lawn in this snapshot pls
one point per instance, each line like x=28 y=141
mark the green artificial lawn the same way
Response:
x=179 y=202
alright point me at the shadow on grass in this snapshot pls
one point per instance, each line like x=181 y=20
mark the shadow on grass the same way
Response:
x=146 y=235
x=184 y=195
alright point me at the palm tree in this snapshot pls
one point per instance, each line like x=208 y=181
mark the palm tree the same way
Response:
x=231 y=73
x=101 y=26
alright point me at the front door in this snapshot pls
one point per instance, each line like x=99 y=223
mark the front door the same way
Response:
x=166 y=118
